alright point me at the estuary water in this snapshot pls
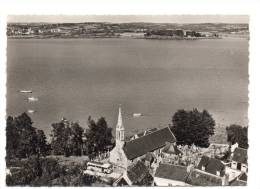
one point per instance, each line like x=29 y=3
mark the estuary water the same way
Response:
x=77 y=78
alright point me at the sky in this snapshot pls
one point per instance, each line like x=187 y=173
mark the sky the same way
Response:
x=131 y=18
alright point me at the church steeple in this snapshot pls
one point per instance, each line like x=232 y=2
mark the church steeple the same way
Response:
x=119 y=119
x=120 y=130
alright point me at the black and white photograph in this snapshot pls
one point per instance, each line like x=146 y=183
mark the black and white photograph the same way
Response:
x=133 y=100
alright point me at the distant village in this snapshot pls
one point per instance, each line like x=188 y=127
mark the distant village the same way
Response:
x=126 y=30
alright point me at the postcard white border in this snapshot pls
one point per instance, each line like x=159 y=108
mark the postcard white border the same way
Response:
x=147 y=7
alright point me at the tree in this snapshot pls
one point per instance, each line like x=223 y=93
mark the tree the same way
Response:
x=41 y=145
x=98 y=136
x=59 y=138
x=193 y=127
x=66 y=138
x=237 y=134
x=22 y=138
x=76 y=139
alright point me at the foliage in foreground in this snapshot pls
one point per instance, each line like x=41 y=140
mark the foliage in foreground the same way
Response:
x=48 y=172
x=22 y=139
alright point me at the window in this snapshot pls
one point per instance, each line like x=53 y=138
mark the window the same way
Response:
x=239 y=166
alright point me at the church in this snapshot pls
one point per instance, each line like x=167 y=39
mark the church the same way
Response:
x=125 y=153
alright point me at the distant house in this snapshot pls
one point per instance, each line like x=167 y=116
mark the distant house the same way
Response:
x=171 y=175
x=239 y=159
x=209 y=172
x=127 y=153
x=136 y=175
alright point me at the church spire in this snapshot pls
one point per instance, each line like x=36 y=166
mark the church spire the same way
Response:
x=120 y=130
x=120 y=120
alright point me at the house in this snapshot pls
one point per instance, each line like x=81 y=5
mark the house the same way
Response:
x=171 y=175
x=135 y=175
x=212 y=166
x=127 y=153
x=209 y=172
x=240 y=181
x=239 y=159
x=171 y=153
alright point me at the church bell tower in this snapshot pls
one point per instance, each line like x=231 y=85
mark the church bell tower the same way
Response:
x=120 y=130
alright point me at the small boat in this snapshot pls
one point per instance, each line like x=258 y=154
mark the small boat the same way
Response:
x=137 y=114
x=25 y=91
x=31 y=111
x=32 y=99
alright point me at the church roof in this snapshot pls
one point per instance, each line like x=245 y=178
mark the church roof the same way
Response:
x=140 y=146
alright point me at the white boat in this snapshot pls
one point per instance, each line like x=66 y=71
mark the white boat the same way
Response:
x=25 y=91
x=137 y=114
x=31 y=111
x=32 y=99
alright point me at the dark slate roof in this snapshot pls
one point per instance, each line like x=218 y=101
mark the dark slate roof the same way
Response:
x=203 y=162
x=240 y=155
x=172 y=172
x=243 y=177
x=138 y=172
x=238 y=183
x=140 y=146
x=211 y=165
x=202 y=178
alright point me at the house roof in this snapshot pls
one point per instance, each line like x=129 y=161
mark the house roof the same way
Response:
x=240 y=155
x=172 y=172
x=149 y=156
x=203 y=162
x=202 y=178
x=171 y=149
x=243 y=177
x=138 y=172
x=211 y=165
x=238 y=183
x=140 y=146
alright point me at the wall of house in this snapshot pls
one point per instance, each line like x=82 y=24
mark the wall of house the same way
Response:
x=167 y=182
x=244 y=167
x=234 y=165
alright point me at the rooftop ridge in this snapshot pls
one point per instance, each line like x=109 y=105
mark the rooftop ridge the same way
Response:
x=149 y=134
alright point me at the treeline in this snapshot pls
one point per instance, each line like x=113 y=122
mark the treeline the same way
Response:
x=67 y=138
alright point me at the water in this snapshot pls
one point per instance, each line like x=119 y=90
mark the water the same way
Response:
x=76 y=78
